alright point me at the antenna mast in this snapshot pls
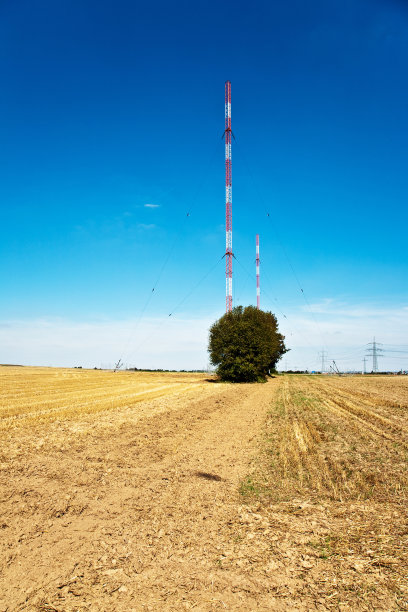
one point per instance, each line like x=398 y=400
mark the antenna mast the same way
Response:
x=258 y=289
x=228 y=198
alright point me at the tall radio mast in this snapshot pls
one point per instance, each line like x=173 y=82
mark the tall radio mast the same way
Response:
x=228 y=198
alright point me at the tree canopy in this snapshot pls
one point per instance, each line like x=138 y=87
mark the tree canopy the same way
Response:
x=245 y=344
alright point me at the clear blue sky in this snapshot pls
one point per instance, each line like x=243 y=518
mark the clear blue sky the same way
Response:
x=107 y=107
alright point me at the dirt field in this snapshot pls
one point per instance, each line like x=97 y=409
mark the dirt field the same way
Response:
x=134 y=491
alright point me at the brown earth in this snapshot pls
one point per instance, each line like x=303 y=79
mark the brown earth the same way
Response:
x=168 y=492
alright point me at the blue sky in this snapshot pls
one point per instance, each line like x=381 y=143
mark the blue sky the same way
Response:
x=111 y=123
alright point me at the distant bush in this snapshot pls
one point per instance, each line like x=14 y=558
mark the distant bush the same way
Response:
x=245 y=344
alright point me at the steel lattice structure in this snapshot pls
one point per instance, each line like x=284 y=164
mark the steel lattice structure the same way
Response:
x=375 y=351
x=228 y=198
x=258 y=289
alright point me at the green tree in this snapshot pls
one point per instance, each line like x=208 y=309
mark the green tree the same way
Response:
x=245 y=344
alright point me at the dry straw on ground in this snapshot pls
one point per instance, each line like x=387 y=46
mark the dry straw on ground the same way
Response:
x=134 y=491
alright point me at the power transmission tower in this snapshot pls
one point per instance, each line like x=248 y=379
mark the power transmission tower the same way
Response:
x=323 y=355
x=374 y=351
x=364 y=365
x=228 y=198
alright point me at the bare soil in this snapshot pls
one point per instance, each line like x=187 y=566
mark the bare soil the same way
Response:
x=177 y=502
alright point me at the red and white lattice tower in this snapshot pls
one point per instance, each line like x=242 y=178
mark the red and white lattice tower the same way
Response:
x=258 y=289
x=228 y=197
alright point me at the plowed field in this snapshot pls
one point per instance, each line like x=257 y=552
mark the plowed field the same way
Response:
x=135 y=491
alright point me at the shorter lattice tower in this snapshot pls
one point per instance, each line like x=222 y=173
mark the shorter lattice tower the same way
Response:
x=258 y=288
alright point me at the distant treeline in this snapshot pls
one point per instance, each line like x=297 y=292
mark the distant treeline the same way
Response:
x=296 y=372
x=161 y=370
x=400 y=373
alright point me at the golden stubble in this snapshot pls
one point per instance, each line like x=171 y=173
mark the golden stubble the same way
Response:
x=340 y=438
x=31 y=396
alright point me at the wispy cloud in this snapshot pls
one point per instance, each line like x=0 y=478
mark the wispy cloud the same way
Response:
x=332 y=307
x=342 y=328
x=146 y=226
x=152 y=205
x=160 y=342
x=167 y=342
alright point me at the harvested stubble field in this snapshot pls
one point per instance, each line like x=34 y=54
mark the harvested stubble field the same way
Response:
x=132 y=491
